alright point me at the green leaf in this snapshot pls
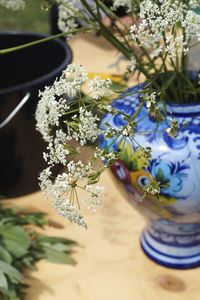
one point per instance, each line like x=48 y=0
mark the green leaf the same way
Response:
x=35 y=218
x=56 y=256
x=5 y=255
x=133 y=165
x=59 y=246
x=13 y=273
x=54 y=240
x=160 y=175
x=3 y=281
x=117 y=87
x=15 y=239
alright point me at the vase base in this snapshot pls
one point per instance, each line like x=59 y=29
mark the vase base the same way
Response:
x=170 y=255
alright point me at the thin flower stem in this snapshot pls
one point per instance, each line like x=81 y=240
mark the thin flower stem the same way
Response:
x=43 y=40
x=113 y=16
x=106 y=32
x=134 y=116
x=76 y=195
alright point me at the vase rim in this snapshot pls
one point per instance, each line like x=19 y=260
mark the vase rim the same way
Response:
x=183 y=108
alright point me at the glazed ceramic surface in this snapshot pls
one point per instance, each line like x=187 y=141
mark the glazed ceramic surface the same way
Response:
x=172 y=236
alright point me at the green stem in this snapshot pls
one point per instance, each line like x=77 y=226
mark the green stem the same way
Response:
x=43 y=40
x=137 y=111
x=106 y=32
x=110 y=14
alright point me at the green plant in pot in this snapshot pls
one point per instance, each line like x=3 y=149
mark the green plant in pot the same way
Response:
x=148 y=135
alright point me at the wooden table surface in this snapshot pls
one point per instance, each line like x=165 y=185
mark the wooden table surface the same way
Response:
x=110 y=263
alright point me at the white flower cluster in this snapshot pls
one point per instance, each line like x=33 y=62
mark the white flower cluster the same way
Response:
x=57 y=151
x=63 y=191
x=132 y=65
x=99 y=88
x=141 y=32
x=72 y=13
x=85 y=127
x=95 y=194
x=52 y=106
x=176 y=45
x=13 y=4
x=59 y=191
x=49 y=111
x=67 y=13
x=59 y=126
x=73 y=79
x=159 y=19
x=192 y=25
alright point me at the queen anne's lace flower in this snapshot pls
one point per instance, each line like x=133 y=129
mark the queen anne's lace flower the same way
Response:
x=99 y=87
x=192 y=25
x=52 y=105
x=13 y=4
x=55 y=102
x=45 y=181
x=67 y=16
x=69 y=211
x=84 y=127
x=176 y=45
x=160 y=18
x=95 y=195
x=49 y=111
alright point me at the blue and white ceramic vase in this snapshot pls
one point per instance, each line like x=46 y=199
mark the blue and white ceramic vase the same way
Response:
x=172 y=234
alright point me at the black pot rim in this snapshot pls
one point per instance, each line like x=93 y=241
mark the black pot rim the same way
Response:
x=27 y=86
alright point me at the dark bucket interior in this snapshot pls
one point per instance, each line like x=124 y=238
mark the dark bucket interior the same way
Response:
x=21 y=147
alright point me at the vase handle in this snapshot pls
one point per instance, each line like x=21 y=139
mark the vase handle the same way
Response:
x=15 y=110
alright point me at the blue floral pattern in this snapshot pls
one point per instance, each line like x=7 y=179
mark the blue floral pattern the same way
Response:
x=171 y=176
x=175 y=162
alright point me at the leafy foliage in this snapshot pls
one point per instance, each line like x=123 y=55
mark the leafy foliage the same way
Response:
x=21 y=247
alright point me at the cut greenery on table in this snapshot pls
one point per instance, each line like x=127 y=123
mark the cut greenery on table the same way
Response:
x=21 y=247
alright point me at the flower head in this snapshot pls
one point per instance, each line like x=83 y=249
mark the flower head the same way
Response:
x=13 y=4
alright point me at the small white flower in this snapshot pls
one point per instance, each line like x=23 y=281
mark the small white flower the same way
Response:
x=13 y=4
x=133 y=64
x=67 y=16
x=176 y=45
x=52 y=106
x=85 y=128
x=99 y=87
x=44 y=179
x=69 y=211
x=94 y=196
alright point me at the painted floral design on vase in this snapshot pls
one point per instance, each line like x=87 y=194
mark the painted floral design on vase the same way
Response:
x=172 y=234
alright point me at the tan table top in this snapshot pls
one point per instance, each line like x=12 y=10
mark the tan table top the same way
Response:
x=110 y=264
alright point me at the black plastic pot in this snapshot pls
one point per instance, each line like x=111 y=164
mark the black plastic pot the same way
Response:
x=22 y=74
